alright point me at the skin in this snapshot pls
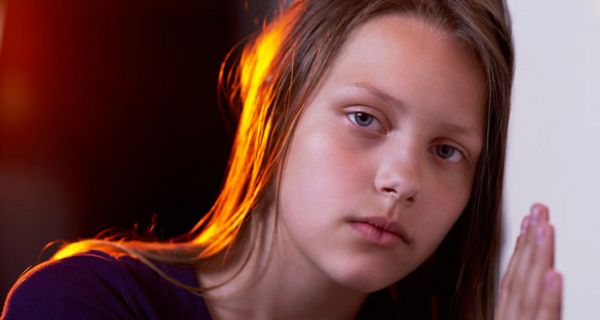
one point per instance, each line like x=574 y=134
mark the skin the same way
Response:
x=418 y=90
x=531 y=287
x=394 y=130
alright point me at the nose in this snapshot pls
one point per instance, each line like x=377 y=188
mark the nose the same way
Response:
x=399 y=177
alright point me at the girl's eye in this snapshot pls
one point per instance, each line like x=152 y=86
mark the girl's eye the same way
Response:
x=362 y=119
x=448 y=152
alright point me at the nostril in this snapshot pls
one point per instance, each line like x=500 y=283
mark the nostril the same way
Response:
x=408 y=197
x=398 y=185
x=389 y=190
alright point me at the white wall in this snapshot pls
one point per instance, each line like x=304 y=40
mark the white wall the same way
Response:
x=554 y=141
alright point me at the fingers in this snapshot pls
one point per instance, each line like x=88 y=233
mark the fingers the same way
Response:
x=521 y=302
x=550 y=306
x=541 y=263
x=508 y=281
x=524 y=292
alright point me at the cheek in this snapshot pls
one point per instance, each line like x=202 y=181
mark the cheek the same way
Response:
x=319 y=171
x=445 y=203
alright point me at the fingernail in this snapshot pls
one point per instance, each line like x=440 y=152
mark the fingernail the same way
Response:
x=540 y=234
x=525 y=225
x=536 y=214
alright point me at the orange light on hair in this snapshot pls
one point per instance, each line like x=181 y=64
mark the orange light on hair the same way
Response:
x=247 y=163
x=250 y=166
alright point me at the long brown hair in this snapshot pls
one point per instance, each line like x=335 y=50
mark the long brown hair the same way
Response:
x=276 y=74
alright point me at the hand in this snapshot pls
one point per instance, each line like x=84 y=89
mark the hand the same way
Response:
x=531 y=288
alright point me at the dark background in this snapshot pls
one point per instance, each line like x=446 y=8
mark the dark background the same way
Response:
x=109 y=115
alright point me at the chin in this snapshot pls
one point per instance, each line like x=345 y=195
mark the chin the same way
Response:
x=368 y=283
x=367 y=278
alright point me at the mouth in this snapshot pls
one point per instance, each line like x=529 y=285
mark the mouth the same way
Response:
x=380 y=231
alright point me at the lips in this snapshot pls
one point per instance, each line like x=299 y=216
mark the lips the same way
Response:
x=381 y=231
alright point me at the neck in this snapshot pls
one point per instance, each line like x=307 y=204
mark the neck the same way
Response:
x=274 y=283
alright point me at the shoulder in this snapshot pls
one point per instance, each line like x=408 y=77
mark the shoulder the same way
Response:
x=97 y=285
x=91 y=282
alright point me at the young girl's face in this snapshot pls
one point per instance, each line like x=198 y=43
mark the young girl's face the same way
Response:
x=383 y=158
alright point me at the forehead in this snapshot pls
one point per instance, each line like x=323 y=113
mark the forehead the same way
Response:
x=414 y=62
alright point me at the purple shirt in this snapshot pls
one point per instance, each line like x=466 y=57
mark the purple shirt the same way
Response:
x=96 y=285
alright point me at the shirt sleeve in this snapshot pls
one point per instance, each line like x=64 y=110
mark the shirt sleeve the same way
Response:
x=84 y=286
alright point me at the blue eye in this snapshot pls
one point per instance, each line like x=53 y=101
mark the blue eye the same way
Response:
x=448 y=152
x=362 y=119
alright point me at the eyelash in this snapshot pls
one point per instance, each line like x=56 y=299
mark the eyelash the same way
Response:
x=371 y=119
x=455 y=151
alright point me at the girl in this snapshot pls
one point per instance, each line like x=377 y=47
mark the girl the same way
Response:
x=365 y=182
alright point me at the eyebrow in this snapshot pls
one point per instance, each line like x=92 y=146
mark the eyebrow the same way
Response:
x=380 y=95
x=460 y=130
x=388 y=99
